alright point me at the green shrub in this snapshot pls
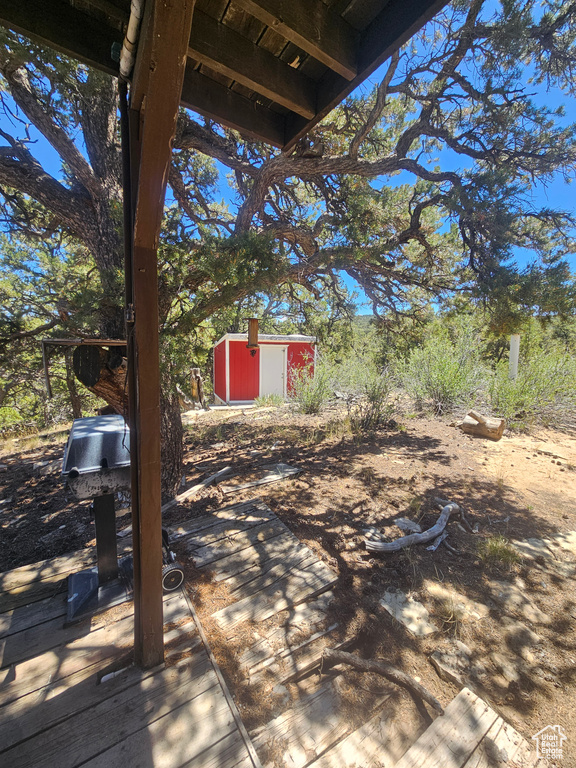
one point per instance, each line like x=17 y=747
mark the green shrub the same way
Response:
x=544 y=390
x=445 y=372
x=372 y=407
x=311 y=387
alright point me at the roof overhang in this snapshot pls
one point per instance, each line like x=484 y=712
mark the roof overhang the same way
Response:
x=270 y=69
x=291 y=338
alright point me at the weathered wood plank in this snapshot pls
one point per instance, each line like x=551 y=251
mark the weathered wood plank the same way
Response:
x=229 y=753
x=46 y=569
x=251 y=557
x=39 y=638
x=40 y=710
x=38 y=581
x=376 y=743
x=110 y=642
x=306 y=618
x=176 y=739
x=452 y=738
x=299 y=664
x=502 y=745
x=210 y=531
x=38 y=590
x=289 y=655
x=310 y=727
x=206 y=555
x=234 y=55
x=233 y=512
x=27 y=616
x=313 y=27
x=294 y=589
x=125 y=712
x=269 y=575
x=270 y=565
x=270 y=473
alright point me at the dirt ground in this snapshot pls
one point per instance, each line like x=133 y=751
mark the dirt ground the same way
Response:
x=523 y=487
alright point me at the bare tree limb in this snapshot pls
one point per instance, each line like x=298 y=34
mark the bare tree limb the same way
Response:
x=386 y=670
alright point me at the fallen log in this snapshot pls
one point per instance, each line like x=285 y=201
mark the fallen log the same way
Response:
x=375 y=545
x=482 y=426
x=385 y=670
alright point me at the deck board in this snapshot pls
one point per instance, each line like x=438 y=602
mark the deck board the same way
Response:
x=54 y=710
x=296 y=587
x=452 y=738
x=26 y=616
x=500 y=744
x=38 y=581
x=376 y=743
x=39 y=710
x=118 y=714
x=305 y=730
x=303 y=621
x=209 y=554
x=254 y=556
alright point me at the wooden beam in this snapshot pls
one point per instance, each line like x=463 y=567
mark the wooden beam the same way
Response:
x=59 y=25
x=398 y=21
x=215 y=101
x=235 y=56
x=157 y=87
x=312 y=26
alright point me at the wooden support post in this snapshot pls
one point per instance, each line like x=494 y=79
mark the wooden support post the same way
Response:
x=154 y=103
x=514 y=355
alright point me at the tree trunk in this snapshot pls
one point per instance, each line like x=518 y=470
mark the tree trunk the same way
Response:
x=75 y=398
x=103 y=372
x=171 y=433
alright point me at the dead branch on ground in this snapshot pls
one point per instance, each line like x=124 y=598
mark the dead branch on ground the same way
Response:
x=386 y=670
x=414 y=538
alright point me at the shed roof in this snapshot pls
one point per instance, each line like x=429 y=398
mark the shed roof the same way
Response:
x=295 y=338
x=268 y=68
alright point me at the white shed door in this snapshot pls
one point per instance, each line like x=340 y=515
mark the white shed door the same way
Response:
x=272 y=370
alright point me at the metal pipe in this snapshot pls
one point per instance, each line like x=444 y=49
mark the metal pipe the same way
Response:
x=126 y=192
x=130 y=43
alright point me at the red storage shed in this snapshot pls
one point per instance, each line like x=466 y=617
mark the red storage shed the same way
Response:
x=242 y=374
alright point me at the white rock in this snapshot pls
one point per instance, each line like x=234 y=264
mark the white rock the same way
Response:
x=409 y=612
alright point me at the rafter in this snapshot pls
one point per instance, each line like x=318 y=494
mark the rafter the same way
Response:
x=233 y=55
x=312 y=26
x=215 y=101
x=393 y=26
x=65 y=28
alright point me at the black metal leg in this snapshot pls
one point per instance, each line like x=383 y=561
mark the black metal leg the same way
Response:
x=105 y=520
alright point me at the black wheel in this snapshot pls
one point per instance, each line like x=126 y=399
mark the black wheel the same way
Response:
x=172 y=577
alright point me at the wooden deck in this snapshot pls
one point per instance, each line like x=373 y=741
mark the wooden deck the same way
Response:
x=269 y=571
x=69 y=696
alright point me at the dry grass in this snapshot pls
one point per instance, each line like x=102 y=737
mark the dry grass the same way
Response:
x=451 y=617
x=497 y=550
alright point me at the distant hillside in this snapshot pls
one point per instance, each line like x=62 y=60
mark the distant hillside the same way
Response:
x=362 y=322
